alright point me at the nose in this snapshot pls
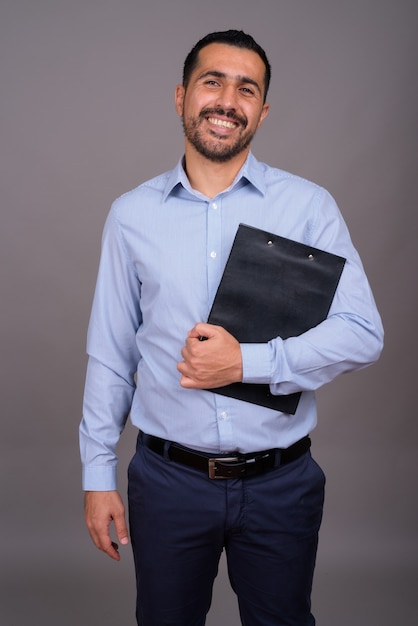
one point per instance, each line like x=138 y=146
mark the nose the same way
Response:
x=227 y=98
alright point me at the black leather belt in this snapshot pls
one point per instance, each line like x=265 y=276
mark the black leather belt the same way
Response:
x=233 y=465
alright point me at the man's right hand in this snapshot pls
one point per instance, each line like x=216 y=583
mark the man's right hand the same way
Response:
x=101 y=508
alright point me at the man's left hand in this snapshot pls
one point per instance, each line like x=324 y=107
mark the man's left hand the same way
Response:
x=214 y=362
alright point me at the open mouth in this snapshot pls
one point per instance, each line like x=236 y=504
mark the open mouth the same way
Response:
x=222 y=123
x=223 y=119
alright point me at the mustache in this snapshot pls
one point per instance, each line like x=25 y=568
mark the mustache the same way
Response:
x=231 y=115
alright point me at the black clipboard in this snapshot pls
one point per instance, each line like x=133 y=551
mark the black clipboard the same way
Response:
x=272 y=287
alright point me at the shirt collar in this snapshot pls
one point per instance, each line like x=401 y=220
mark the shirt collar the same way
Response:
x=252 y=171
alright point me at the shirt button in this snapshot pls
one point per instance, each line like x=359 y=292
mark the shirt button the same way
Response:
x=213 y=254
x=224 y=415
x=214 y=205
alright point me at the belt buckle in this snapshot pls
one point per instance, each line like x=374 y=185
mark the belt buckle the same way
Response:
x=212 y=466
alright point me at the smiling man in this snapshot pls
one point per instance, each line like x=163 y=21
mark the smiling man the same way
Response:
x=222 y=102
x=212 y=473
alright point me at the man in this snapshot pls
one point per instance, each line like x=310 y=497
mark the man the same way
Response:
x=164 y=249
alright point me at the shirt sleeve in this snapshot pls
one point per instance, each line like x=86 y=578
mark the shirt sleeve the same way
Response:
x=112 y=360
x=349 y=339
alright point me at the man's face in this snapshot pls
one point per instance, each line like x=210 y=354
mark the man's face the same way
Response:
x=222 y=105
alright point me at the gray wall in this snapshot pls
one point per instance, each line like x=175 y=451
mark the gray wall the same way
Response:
x=86 y=114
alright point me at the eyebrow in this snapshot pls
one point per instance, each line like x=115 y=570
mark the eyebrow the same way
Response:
x=241 y=79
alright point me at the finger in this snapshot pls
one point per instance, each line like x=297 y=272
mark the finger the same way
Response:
x=101 y=536
x=101 y=508
x=121 y=529
x=193 y=334
x=188 y=383
x=204 y=330
x=112 y=550
x=103 y=542
x=201 y=331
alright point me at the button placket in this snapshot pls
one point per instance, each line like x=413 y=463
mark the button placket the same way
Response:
x=214 y=232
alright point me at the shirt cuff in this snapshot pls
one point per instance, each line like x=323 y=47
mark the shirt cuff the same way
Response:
x=100 y=478
x=256 y=363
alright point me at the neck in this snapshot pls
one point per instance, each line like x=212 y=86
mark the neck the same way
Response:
x=209 y=177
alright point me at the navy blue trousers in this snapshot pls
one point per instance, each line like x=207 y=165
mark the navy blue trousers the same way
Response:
x=181 y=520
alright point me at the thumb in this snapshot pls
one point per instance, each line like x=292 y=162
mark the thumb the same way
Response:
x=121 y=528
x=202 y=329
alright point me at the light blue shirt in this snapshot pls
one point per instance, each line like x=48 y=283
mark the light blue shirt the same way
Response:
x=164 y=249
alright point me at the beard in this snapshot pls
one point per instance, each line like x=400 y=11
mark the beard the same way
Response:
x=217 y=149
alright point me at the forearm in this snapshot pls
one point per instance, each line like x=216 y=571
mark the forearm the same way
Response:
x=106 y=405
x=338 y=345
x=350 y=338
x=113 y=360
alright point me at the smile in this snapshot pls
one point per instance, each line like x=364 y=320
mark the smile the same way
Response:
x=221 y=123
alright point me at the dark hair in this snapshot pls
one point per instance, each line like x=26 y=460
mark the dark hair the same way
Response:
x=235 y=38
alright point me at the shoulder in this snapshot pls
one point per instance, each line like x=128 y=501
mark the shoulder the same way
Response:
x=140 y=201
x=304 y=197
x=151 y=189
x=306 y=209
x=274 y=176
x=275 y=181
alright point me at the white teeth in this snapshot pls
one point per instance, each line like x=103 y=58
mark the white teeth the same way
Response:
x=223 y=123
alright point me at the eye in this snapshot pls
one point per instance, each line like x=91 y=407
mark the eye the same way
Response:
x=247 y=91
x=212 y=83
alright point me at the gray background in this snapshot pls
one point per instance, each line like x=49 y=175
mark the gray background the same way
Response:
x=87 y=113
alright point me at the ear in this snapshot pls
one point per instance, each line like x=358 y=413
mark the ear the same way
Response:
x=179 y=99
x=263 y=115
